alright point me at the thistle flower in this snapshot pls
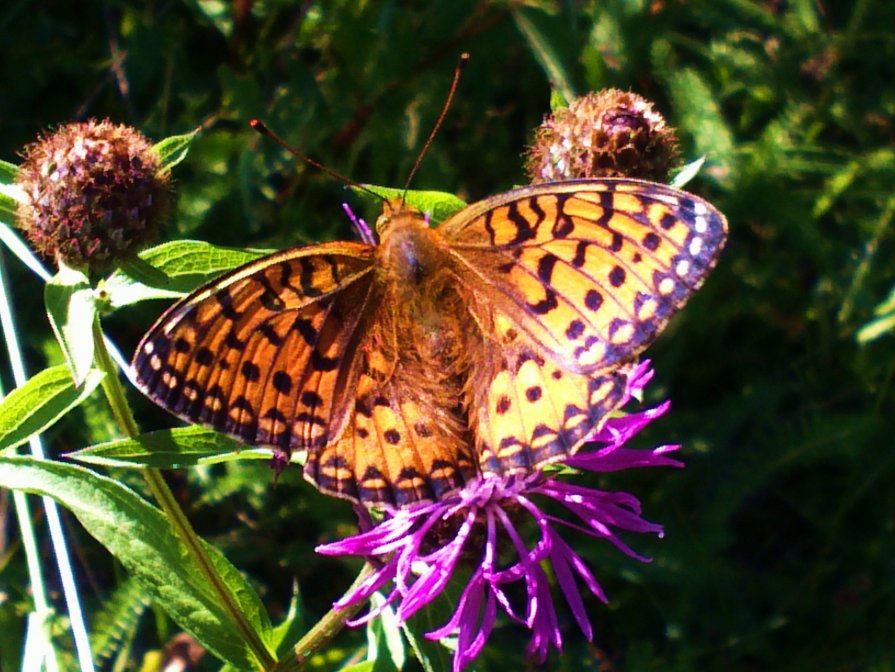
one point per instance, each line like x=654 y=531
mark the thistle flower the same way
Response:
x=93 y=193
x=416 y=551
x=607 y=134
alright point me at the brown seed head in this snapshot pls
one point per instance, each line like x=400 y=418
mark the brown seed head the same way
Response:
x=93 y=193
x=607 y=134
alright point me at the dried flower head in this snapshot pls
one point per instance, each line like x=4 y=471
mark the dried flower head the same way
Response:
x=93 y=193
x=607 y=134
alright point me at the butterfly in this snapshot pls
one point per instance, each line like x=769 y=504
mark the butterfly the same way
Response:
x=493 y=343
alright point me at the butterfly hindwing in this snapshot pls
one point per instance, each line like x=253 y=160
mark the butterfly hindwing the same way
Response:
x=408 y=439
x=528 y=410
x=592 y=270
x=397 y=450
x=265 y=353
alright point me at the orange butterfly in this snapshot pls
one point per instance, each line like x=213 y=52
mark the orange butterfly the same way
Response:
x=491 y=344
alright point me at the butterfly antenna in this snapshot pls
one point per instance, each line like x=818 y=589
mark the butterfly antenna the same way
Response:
x=464 y=59
x=259 y=126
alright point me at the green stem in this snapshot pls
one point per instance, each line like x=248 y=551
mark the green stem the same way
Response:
x=114 y=392
x=42 y=607
x=323 y=631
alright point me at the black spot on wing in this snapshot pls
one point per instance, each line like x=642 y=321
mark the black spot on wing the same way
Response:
x=546 y=304
x=525 y=230
x=225 y=301
x=617 y=276
x=306 y=277
x=546 y=264
x=282 y=382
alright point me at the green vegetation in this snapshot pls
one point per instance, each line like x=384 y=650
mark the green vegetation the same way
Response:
x=778 y=547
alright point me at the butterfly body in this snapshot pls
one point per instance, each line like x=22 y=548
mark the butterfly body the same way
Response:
x=491 y=344
x=410 y=253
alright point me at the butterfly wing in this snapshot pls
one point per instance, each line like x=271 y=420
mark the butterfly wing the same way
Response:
x=397 y=450
x=574 y=279
x=408 y=439
x=529 y=411
x=591 y=270
x=267 y=352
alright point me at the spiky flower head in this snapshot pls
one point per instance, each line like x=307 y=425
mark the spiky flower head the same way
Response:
x=607 y=134
x=93 y=193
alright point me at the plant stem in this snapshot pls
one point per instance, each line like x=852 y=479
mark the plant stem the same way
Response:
x=42 y=607
x=114 y=392
x=323 y=631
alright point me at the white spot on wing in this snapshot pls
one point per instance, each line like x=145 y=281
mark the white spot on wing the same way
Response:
x=665 y=198
x=695 y=246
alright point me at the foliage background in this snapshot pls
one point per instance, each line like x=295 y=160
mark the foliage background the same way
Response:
x=778 y=551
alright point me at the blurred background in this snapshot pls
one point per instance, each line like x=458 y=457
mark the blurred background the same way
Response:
x=778 y=552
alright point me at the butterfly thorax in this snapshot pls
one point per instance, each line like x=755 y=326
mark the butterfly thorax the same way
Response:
x=427 y=309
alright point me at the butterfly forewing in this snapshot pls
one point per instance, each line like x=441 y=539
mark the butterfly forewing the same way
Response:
x=592 y=270
x=266 y=353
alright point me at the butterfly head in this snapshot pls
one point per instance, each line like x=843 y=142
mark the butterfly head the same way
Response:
x=409 y=248
x=394 y=211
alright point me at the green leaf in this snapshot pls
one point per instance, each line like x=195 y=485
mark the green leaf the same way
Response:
x=847 y=175
x=117 y=620
x=696 y=107
x=433 y=656
x=8 y=172
x=366 y=666
x=174 y=149
x=439 y=205
x=40 y=402
x=18 y=247
x=883 y=323
x=169 y=449
x=217 y=13
x=529 y=21
x=293 y=625
x=385 y=645
x=71 y=307
x=140 y=537
x=172 y=270
x=687 y=173
x=876 y=328
x=10 y=195
x=557 y=100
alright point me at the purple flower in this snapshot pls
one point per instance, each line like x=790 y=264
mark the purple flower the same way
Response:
x=417 y=550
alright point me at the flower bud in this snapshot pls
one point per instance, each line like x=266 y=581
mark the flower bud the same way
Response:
x=607 y=134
